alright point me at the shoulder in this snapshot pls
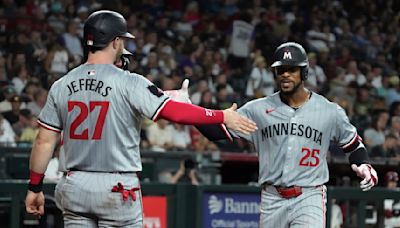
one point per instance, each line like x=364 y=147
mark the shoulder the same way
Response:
x=270 y=100
x=324 y=102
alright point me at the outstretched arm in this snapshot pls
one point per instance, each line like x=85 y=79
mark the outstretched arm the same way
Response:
x=185 y=113
x=212 y=132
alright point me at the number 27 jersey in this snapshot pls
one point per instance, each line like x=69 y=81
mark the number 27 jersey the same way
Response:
x=99 y=109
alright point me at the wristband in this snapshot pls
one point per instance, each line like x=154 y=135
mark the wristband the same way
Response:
x=35 y=182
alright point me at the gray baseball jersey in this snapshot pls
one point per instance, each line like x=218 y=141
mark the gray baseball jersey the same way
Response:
x=99 y=108
x=292 y=144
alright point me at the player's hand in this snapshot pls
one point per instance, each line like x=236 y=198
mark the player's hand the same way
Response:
x=233 y=120
x=369 y=175
x=34 y=203
x=180 y=95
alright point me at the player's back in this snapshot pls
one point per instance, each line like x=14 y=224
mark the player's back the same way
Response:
x=100 y=123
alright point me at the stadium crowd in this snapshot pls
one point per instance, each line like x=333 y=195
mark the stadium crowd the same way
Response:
x=224 y=47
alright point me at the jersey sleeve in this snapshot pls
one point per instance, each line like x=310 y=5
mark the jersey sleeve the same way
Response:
x=49 y=116
x=345 y=133
x=246 y=112
x=145 y=97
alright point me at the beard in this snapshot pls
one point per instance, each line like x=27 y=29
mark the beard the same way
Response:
x=291 y=91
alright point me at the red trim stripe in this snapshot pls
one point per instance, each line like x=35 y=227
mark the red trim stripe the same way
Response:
x=48 y=127
x=323 y=206
x=141 y=198
x=155 y=117
x=352 y=141
x=226 y=132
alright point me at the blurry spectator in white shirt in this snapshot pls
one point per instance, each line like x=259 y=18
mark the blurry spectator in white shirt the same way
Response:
x=181 y=137
x=159 y=135
x=7 y=135
x=261 y=81
x=316 y=75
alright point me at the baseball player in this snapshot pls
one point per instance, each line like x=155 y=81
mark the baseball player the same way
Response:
x=392 y=207
x=98 y=107
x=296 y=127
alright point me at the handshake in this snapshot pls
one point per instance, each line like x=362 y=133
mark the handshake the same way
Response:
x=232 y=119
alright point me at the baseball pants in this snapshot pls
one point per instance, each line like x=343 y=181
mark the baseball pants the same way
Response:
x=307 y=210
x=86 y=200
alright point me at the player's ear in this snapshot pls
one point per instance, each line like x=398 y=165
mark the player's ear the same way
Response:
x=115 y=43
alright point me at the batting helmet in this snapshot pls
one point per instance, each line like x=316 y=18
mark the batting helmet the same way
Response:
x=392 y=176
x=291 y=54
x=101 y=27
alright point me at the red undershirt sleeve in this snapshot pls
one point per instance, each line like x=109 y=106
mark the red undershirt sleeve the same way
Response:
x=184 y=113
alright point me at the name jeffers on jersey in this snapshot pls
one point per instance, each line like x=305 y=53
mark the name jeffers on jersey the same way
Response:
x=291 y=129
x=88 y=84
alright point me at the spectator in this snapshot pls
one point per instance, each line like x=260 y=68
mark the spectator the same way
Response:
x=38 y=102
x=39 y=52
x=364 y=101
x=395 y=109
x=180 y=137
x=187 y=173
x=31 y=87
x=72 y=42
x=316 y=75
x=336 y=215
x=387 y=149
x=261 y=81
x=353 y=74
x=12 y=116
x=57 y=60
x=159 y=135
x=30 y=132
x=7 y=135
x=393 y=91
x=201 y=87
x=375 y=135
x=241 y=41
x=394 y=127
x=21 y=78
x=24 y=120
x=320 y=39
x=392 y=207
x=208 y=100
x=7 y=93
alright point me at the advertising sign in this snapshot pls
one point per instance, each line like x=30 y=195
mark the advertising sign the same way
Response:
x=231 y=210
x=155 y=211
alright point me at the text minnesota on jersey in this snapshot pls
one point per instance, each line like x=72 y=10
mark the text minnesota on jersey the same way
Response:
x=291 y=129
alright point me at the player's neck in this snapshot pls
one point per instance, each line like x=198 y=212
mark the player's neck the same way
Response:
x=100 y=58
x=297 y=99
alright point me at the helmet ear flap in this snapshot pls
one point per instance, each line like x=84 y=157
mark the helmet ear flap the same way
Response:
x=304 y=73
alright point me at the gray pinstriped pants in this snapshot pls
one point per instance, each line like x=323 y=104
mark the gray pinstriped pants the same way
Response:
x=305 y=211
x=86 y=200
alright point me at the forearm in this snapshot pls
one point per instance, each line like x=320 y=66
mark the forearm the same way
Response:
x=41 y=154
x=175 y=178
x=42 y=150
x=184 y=113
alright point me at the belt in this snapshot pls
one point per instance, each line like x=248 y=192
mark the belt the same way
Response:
x=67 y=173
x=286 y=192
